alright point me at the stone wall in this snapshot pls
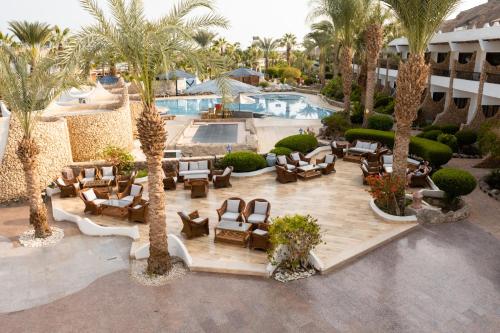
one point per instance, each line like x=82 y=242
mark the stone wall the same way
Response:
x=135 y=113
x=55 y=153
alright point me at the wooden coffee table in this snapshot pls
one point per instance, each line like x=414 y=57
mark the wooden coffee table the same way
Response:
x=308 y=172
x=352 y=158
x=116 y=208
x=232 y=232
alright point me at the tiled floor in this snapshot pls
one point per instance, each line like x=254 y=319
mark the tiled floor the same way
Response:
x=339 y=202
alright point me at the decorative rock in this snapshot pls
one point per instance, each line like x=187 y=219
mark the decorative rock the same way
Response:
x=485 y=187
x=28 y=239
x=138 y=273
x=434 y=215
x=285 y=275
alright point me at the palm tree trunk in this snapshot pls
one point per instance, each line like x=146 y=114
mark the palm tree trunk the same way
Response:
x=347 y=77
x=288 y=56
x=152 y=136
x=374 y=35
x=28 y=151
x=322 y=66
x=411 y=82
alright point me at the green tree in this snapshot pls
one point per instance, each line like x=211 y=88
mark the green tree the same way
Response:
x=321 y=39
x=267 y=45
x=34 y=35
x=289 y=41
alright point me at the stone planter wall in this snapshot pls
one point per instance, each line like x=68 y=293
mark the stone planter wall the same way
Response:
x=434 y=215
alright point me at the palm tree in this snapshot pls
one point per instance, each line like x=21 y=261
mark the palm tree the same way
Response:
x=6 y=39
x=221 y=45
x=28 y=86
x=252 y=56
x=419 y=19
x=373 y=35
x=288 y=41
x=149 y=47
x=33 y=34
x=59 y=38
x=320 y=38
x=204 y=38
x=267 y=45
x=347 y=16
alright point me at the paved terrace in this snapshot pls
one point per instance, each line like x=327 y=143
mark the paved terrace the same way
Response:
x=339 y=202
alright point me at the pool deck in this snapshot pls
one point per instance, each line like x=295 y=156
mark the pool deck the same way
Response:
x=339 y=201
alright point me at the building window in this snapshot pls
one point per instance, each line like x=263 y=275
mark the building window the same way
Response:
x=464 y=58
x=460 y=102
x=441 y=56
x=490 y=110
x=437 y=96
x=493 y=58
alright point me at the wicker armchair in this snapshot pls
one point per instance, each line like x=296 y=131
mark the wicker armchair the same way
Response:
x=138 y=213
x=259 y=238
x=170 y=181
x=285 y=176
x=221 y=178
x=336 y=149
x=88 y=174
x=132 y=193
x=124 y=181
x=327 y=163
x=69 y=188
x=367 y=173
x=93 y=200
x=257 y=211
x=285 y=162
x=420 y=180
x=193 y=224
x=232 y=209
x=298 y=159
x=375 y=157
x=109 y=173
x=199 y=188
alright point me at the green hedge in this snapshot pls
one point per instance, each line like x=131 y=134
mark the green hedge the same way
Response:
x=454 y=182
x=434 y=152
x=466 y=137
x=450 y=140
x=281 y=151
x=300 y=142
x=380 y=122
x=244 y=161
x=431 y=135
x=450 y=129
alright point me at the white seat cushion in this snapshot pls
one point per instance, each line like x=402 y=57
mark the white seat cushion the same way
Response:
x=128 y=198
x=230 y=216
x=387 y=159
x=203 y=165
x=135 y=190
x=137 y=206
x=260 y=207
x=108 y=177
x=322 y=165
x=196 y=176
x=84 y=180
x=194 y=172
x=98 y=202
x=295 y=156
x=89 y=173
x=193 y=166
x=364 y=168
x=373 y=146
x=183 y=166
x=303 y=163
x=90 y=195
x=60 y=181
x=256 y=218
x=198 y=220
x=290 y=167
x=329 y=158
x=226 y=171
x=260 y=232
x=107 y=172
x=282 y=159
x=214 y=178
x=334 y=144
x=233 y=206
x=388 y=168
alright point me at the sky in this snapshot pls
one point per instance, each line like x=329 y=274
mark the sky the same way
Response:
x=248 y=18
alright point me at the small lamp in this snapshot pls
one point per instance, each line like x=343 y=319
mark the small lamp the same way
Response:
x=301 y=131
x=229 y=148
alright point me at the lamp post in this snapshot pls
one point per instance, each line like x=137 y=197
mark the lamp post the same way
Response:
x=229 y=148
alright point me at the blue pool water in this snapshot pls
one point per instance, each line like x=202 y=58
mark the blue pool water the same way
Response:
x=277 y=105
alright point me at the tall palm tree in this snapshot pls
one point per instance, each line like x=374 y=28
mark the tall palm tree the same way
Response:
x=149 y=47
x=33 y=34
x=59 y=38
x=373 y=36
x=289 y=41
x=252 y=55
x=28 y=85
x=6 y=39
x=419 y=19
x=347 y=16
x=221 y=45
x=320 y=38
x=204 y=38
x=267 y=45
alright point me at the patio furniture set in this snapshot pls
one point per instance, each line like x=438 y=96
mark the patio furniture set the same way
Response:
x=296 y=165
x=96 y=188
x=240 y=223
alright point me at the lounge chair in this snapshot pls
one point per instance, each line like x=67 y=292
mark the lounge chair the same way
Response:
x=232 y=209
x=193 y=224
x=138 y=212
x=298 y=159
x=221 y=179
x=93 y=200
x=259 y=238
x=285 y=162
x=68 y=188
x=336 y=150
x=132 y=193
x=199 y=188
x=367 y=173
x=327 y=163
x=257 y=211
x=109 y=173
x=88 y=175
x=285 y=176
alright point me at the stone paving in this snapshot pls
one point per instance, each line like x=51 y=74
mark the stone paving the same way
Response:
x=444 y=278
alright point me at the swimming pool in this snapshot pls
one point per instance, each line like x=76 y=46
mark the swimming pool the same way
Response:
x=277 y=105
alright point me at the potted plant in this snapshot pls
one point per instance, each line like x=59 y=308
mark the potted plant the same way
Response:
x=52 y=189
x=119 y=157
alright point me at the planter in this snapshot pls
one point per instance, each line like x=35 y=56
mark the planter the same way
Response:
x=271 y=159
x=391 y=218
x=51 y=191
x=435 y=215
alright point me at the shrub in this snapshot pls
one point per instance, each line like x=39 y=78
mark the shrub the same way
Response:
x=310 y=81
x=142 y=173
x=300 y=142
x=382 y=100
x=356 y=93
x=385 y=190
x=449 y=129
x=493 y=179
x=466 y=137
x=357 y=111
x=244 y=161
x=264 y=84
x=273 y=72
x=333 y=89
x=380 y=122
x=489 y=138
x=290 y=73
x=336 y=124
x=448 y=139
x=119 y=157
x=431 y=135
x=431 y=128
x=434 y=152
x=281 y=151
x=298 y=235
x=387 y=109
x=454 y=182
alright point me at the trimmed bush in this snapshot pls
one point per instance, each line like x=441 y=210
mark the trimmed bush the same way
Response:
x=382 y=100
x=454 y=182
x=333 y=89
x=336 y=124
x=244 y=161
x=448 y=139
x=380 y=122
x=493 y=179
x=431 y=135
x=281 y=151
x=386 y=109
x=300 y=142
x=466 y=137
x=431 y=128
x=449 y=129
x=434 y=152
